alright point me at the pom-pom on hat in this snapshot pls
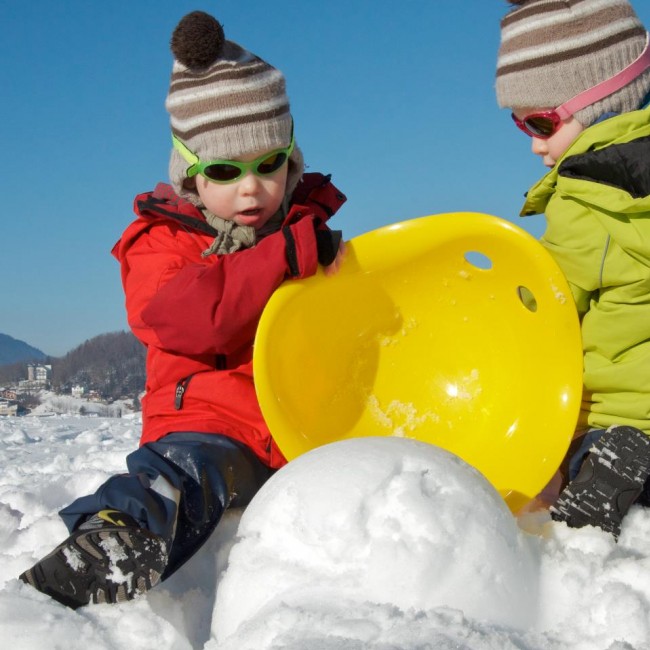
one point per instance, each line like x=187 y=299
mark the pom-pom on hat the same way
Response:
x=224 y=101
x=552 y=50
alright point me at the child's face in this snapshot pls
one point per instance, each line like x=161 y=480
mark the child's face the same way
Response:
x=249 y=201
x=552 y=148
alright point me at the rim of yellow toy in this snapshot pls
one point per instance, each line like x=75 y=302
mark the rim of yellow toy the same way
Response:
x=455 y=329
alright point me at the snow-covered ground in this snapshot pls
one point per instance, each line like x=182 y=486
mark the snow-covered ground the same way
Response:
x=55 y=404
x=380 y=543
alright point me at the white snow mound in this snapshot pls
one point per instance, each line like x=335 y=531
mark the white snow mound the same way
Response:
x=375 y=521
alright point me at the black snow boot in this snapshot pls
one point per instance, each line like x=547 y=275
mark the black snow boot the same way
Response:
x=610 y=480
x=108 y=559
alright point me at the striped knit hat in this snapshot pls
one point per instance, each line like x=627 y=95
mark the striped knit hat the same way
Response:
x=224 y=101
x=551 y=50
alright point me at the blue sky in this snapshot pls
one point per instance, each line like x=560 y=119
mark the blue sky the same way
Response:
x=394 y=99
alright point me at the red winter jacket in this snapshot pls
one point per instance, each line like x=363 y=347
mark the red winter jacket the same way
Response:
x=198 y=316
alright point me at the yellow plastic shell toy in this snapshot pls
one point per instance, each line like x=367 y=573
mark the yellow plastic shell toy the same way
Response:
x=456 y=329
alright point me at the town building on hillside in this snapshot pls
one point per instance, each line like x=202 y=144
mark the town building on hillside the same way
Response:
x=8 y=408
x=39 y=373
x=38 y=376
x=9 y=394
x=77 y=391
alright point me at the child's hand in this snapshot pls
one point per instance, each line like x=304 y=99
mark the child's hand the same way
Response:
x=333 y=268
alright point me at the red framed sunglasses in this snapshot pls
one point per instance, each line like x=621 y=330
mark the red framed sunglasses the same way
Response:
x=541 y=125
x=545 y=124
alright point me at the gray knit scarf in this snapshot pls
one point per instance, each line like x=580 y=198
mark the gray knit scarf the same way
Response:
x=231 y=237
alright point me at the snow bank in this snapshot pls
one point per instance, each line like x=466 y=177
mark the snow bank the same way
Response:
x=377 y=521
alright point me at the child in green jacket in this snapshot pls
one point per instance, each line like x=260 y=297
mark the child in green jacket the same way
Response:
x=576 y=75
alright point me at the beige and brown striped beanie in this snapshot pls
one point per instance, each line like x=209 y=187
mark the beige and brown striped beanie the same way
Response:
x=552 y=50
x=224 y=101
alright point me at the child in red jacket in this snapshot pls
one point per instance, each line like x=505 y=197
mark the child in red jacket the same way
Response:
x=198 y=266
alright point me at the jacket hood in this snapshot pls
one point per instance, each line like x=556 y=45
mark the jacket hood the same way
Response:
x=607 y=170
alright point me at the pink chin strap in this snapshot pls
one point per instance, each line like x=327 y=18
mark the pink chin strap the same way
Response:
x=607 y=87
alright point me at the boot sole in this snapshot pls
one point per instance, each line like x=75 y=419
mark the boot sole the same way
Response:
x=609 y=481
x=108 y=565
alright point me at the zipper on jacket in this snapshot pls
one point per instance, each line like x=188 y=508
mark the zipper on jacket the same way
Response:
x=181 y=387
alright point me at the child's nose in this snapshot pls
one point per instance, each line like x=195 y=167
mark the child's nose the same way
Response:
x=249 y=182
x=539 y=147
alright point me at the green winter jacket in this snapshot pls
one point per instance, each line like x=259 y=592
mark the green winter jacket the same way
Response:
x=597 y=205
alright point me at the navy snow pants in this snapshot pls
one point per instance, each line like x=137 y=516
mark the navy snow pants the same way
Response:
x=178 y=487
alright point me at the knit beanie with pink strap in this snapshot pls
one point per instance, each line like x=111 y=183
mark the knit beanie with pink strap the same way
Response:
x=552 y=50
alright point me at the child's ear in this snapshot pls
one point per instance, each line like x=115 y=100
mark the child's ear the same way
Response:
x=189 y=184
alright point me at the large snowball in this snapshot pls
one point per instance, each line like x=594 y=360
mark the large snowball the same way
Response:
x=381 y=521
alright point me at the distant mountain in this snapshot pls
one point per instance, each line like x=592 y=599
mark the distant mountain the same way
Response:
x=13 y=351
x=112 y=365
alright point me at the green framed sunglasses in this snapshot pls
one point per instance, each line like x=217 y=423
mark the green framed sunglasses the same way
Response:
x=229 y=171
